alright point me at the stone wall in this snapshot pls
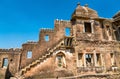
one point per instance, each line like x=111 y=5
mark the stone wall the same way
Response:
x=90 y=34
x=49 y=67
x=13 y=56
x=39 y=48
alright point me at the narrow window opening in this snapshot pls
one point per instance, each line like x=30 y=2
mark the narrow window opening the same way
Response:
x=98 y=59
x=67 y=31
x=46 y=38
x=29 y=54
x=88 y=28
x=112 y=58
x=108 y=31
x=5 y=62
x=107 y=27
x=80 y=62
x=89 y=59
x=70 y=42
x=61 y=60
x=117 y=35
x=79 y=56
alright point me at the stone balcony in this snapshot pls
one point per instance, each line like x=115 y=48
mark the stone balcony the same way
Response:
x=87 y=36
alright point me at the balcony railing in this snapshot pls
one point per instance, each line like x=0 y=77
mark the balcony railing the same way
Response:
x=88 y=69
x=68 y=41
x=88 y=36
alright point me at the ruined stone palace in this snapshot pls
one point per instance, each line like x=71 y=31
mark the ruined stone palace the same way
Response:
x=86 y=44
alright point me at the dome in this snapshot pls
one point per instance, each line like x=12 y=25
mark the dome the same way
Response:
x=84 y=11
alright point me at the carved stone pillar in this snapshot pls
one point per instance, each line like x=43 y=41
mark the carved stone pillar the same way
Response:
x=95 y=59
x=84 y=59
x=101 y=58
x=92 y=26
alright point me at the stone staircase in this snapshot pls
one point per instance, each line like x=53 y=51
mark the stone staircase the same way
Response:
x=41 y=59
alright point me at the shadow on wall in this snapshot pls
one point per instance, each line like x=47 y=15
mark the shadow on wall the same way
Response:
x=8 y=73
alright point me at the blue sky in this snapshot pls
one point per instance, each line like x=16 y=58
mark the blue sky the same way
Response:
x=21 y=20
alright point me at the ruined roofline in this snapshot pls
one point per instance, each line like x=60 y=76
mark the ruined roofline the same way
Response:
x=11 y=50
x=30 y=42
x=57 y=21
x=104 y=18
x=94 y=18
x=61 y=21
x=46 y=30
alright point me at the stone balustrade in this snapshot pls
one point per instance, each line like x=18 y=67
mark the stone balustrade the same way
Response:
x=90 y=69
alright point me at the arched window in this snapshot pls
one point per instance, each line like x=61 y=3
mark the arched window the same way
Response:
x=60 y=59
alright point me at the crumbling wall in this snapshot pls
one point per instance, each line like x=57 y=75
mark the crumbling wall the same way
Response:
x=39 y=48
x=13 y=56
x=25 y=48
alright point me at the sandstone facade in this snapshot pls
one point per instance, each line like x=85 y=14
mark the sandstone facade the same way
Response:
x=86 y=44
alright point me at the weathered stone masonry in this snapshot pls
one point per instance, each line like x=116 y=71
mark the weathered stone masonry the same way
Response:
x=86 y=44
